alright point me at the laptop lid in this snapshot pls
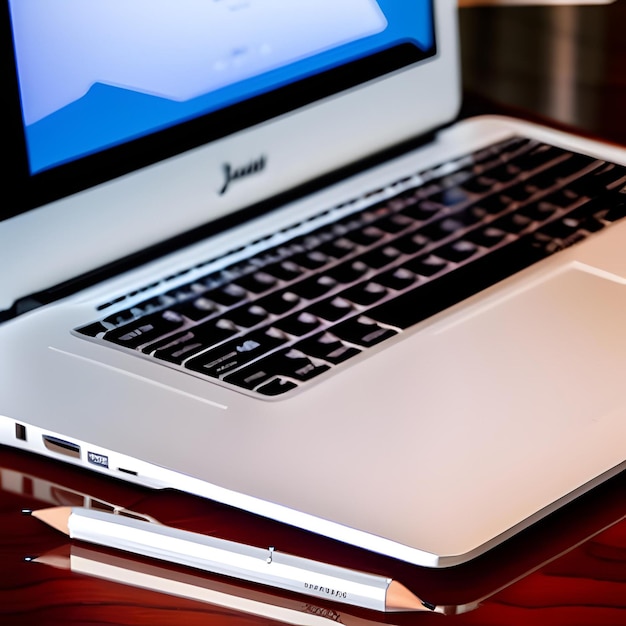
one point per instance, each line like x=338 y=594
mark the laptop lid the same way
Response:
x=130 y=123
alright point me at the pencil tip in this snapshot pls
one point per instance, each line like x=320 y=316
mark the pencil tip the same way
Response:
x=28 y=559
x=57 y=517
x=399 y=598
x=27 y=511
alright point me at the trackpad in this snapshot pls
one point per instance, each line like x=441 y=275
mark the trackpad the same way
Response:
x=557 y=348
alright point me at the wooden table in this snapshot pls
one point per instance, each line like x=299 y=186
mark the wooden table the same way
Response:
x=568 y=569
x=563 y=65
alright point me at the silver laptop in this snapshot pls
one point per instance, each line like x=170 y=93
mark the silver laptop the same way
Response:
x=247 y=255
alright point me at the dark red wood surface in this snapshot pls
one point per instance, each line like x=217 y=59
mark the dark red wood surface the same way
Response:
x=568 y=569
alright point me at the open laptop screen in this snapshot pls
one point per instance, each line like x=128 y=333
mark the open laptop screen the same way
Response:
x=118 y=84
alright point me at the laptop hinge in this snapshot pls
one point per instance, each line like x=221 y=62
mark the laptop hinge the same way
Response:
x=74 y=285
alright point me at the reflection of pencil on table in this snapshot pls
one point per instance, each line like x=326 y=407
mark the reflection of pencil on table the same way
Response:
x=219 y=556
x=161 y=579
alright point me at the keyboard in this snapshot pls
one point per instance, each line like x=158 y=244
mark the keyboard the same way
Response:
x=274 y=322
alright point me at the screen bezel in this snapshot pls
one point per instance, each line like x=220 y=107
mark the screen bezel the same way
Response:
x=425 y=95
x=30 y=190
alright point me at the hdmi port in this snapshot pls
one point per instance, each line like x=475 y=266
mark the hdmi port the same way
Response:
x=60 y=446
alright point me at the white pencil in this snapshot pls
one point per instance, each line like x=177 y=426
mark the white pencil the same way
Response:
x=219 y=556
x=128 y=570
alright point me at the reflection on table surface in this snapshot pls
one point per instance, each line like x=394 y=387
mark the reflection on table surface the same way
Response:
x=568 y=569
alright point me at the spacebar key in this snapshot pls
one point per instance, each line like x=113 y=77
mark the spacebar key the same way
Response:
x=432 y=297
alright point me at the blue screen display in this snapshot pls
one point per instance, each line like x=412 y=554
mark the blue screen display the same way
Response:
x=97 y=74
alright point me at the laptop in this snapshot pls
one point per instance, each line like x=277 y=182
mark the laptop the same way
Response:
x=250 y=255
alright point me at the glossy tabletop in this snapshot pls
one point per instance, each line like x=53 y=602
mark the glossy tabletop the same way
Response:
x=568 y=569
x=562 y=65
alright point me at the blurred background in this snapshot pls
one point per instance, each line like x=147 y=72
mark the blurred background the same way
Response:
x=566 y=63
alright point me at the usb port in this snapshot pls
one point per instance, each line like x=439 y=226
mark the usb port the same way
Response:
x=61 y=446
x=20 y=432
x=127 y=471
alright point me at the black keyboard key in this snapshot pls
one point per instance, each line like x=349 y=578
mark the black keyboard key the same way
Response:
x=562 y=198
x=443 y=228
x=571 y=166
x=284 y=270
x=487 y=237
x=505 y=173
x=197 y=309
x=181 y=346
x=328 y=347
x=616 y=211
x=295 y=364
x=183 y=292
x=257 y=282
x=457 y=251
x=493 y=204
x=518 y=193
x=536 y=157
x=362 y=331
x=233 y=354
x=348 y=224
x=512 y=223
x=588 y=216
x=560 y=171
x=365 y=294
x=349 y=271
x=119 y=318
x=394 y=224
x=314 y=287
x=246 y=316
x=404 y=200
x=279 y=302
x=455 y=179
x=289 y=363
x=228 y=295
x=561 y=228
x=338 y=248
x=251 y=376
x=298 y=324
x=509 y=147
x=277 y=387
x=312 y=260
x=146 y=329
x=427 y=266
x=464 y=218
x=542 y=182
x=366 y=236
x=399 y=278
x=453 y=196
x=592 y=224
x=427 y=191
x=539 y=211
x=480 y=184
x=607 y=206
x=423 y=210
x=332 y=309
x=92 y=330
x=380 y=257
x=412 y=243
x=599 y=180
